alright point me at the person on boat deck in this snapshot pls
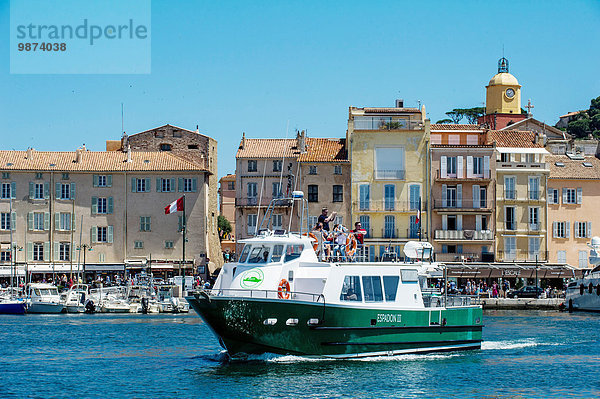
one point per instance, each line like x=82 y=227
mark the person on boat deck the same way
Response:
x=322 y=249
x=351 y=295
x=359 y=237
x=323 y=218
x=265 y=256
x=339 y=250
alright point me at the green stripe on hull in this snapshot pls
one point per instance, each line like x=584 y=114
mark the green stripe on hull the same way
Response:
x=342 y=331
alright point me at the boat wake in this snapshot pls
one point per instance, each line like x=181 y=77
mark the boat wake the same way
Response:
x=290 y=359
x=506 y=345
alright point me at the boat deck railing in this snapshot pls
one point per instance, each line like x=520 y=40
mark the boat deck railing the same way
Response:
x=268 y=294
x=436 y=300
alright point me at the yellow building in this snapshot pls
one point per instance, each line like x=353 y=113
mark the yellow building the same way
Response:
x=573 y=199
x=521 y=174
x=388 y=150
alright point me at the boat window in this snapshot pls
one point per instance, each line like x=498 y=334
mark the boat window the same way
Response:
x=351 y=289
x=410 y=276
x=259 y=254
x=37 y=292
x=390 y=286
x=245 y=252
x=293 y=251
x=277 y=252
x=372 y=288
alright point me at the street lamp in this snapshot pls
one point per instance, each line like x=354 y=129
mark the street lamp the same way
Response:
x=85 y=248
x=13 y=258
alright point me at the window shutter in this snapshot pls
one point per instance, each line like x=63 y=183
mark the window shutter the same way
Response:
x=478 y=223
x=460 y=167
x=194 y=184
x=95 y=180
x=564 y=195
x=459 y=222
x=576 y=230
x=444 y=222
x=567 y=229
x=94 y=234
x=109 y=234
x=148 y=185
x=73 y=222
x=486 y=167
x=172 y=185
x=46 y=221
x=108 y=180
x=46 y=250
x=444 y=193
x=579 y=194
x=476 y=192
x=550 y=196
x=56 y=251
x=109 y=206
x=158 y=185
x=469 y=166
x=30 y=251
x=512 y=157
x=443 y=167
x=94 y=205
x=30 y=220
x=46 y=193
x=180 y=184
x=31 y=190
x=133 y=185
x=589 y=229
x=459 y=195
x=57 y=221
x=13 y=221
x=72 y=190
x=555 y=229
x=57 y=190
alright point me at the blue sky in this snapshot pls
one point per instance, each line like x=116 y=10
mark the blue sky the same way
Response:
x=231 y=67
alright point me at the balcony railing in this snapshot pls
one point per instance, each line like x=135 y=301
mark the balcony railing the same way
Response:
x=463 y=204
x=265 y=201
x=457 y=257
x=521 y=165
x=389 y=206
x=521 y=255
x=534 y=227
x=389 y=233
x=386 y=123
x=535 y=195
x=389 y=174
x=481 y=176
x=464 y=235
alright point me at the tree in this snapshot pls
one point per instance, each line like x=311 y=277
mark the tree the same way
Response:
x=455 y=115
x=587 y=121
x=579 y=128
x=444 y=121
x=473 y=113
x=224 y=227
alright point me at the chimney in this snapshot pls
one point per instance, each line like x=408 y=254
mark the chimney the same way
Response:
x=128 y=153
x=243 y=143
x=78 y=155
x=30 y=152
x=197 y=129
x=301 y=142
x=400 y=103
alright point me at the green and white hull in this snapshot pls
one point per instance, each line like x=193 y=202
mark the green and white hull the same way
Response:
x=280 y=298
x=254 y=326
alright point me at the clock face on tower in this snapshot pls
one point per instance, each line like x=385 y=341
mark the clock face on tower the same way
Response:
x=510 y=93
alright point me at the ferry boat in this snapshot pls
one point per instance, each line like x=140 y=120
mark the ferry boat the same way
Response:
x=280 y=298
x=584 y=293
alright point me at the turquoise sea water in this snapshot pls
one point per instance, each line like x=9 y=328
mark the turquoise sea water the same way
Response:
x=525 y=354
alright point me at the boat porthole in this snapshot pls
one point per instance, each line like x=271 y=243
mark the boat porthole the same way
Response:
x=270 y=322
x=291 y=322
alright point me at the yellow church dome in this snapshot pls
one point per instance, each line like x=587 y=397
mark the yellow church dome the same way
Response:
x=503 y=78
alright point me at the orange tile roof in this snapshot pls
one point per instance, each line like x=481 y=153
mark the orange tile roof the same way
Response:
x=268 y=148
x=513 y=138
x=453 y=126
x=317 y=149
x=573 y=168
x=324 y=150
x=571 y=114
x=95 y=161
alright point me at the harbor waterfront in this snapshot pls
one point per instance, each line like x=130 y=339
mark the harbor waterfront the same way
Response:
x=524 y=354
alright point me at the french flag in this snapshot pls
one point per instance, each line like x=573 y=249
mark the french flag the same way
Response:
x=174 y=206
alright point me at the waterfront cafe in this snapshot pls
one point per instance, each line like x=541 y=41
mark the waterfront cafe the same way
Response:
x=554 y=274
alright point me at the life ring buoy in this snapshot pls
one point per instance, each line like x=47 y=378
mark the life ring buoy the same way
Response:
x=283 y=291
x=351 y=245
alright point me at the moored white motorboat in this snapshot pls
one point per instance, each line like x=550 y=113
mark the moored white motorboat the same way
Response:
x=75 y=298
x=168 y=303
x=584 y=293
x=43 y=298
